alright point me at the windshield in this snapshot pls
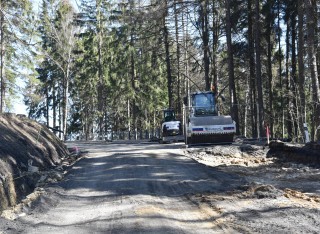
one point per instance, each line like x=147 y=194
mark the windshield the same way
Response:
x=204 y=104
x=169 y=115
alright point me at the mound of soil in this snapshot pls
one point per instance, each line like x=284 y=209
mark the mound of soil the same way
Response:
x=308 y=154
x=26 y=149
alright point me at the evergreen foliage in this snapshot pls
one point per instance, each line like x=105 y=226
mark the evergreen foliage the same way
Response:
x=112 y=66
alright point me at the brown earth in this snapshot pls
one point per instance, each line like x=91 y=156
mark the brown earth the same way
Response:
x=28 y=150
x=284 y=178
x=291 y=168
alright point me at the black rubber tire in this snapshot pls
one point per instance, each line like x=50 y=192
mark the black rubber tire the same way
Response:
x=189 y=141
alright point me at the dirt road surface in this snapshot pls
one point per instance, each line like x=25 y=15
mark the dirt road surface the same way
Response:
x=151 y=188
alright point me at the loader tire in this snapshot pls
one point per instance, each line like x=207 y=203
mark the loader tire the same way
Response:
x=189 y=141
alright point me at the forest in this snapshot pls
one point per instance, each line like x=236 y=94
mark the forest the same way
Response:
x=94 y=68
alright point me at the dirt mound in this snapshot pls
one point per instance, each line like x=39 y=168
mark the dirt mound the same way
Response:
x=26 y=147
x=307 y=154
x=261 y=191
x=226 y=155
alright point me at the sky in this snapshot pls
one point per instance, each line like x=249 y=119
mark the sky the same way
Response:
x=18 y=106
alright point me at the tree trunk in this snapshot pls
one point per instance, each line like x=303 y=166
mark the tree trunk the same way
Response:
x=54 y=108
x=252 y=84
x=258 y=70
x=312 y=50
x=232 y=87
x=60 y=117
x=203 y=15
x=133 y=84
x=280 y=74
x=132 y=75
x=100 y=74
x=47 y=106
x=215 y=42
x=2 y=58
x=168 y=62
x=301 y=79
x=185 y=55
x=179 y=109
x=288 y=102
x=65 y=105
x=293 y=80
x=269 y=74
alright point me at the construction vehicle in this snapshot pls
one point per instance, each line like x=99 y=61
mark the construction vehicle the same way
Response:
x=203 y=122
x=171 y=128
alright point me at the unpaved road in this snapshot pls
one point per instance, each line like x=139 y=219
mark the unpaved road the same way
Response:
x=151 y=188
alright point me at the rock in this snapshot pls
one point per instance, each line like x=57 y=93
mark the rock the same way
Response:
x=267 y=191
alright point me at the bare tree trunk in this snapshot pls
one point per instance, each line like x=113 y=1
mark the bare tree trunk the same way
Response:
x=203 y=15
x=288 y=101
x=65 y=104
x=258 y=69
x=280 y=74
x=133 y=84
x=215 y=40
x=168 y=62
x=311 y=25
x=185 y=55
x=232 y=87
x=178 y=54
x=252 y=84
x=301 y=74
x=47 y=107
x=54 y=107
x=100 y=75
x=269 y=74
x=2 y=58
x=132 y=111
x=60 y=117
x=294 y=82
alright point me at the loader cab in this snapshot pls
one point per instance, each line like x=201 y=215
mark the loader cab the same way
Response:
x=169 y=115
x=204 y=104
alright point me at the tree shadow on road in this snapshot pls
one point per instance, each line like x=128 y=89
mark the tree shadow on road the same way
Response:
x=130 y=172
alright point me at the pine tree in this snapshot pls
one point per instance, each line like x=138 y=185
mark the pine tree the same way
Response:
x=15 y=40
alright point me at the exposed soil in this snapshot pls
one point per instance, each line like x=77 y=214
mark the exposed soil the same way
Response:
x=256 y=164
x=281 y=195
x=30 y=154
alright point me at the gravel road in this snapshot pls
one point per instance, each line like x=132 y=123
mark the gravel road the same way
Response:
x=152 y=188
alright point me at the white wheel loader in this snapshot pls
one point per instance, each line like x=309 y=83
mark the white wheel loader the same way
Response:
x=171 y=128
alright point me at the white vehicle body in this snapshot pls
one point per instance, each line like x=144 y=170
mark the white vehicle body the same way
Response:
x=173 y=132
x=171 y=128
x=204 y=124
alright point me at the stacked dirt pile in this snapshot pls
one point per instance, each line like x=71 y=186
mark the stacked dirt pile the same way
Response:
x=246 y=155
x=26 y=149
x=278 y=170
x=308 y=154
